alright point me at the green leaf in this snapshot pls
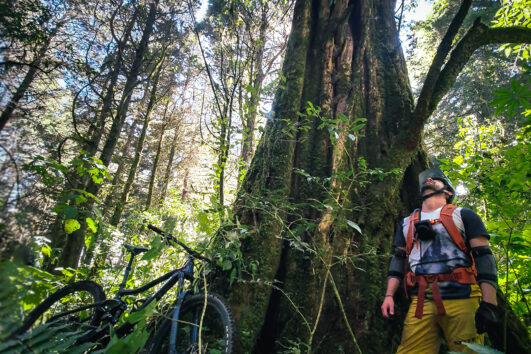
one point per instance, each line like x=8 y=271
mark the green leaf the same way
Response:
x=156 y=247
x=142 y=314
x=354 y=226
x=97 y=179
x=342 y=117
x=357 y=127
x=46 y=250
x=71 y=225
x=482 y=349
x=91 y=225
x=87 y=194
x=89 y=239
x=232 y=276
x=226 y=265
x=68 y=197
x=81 y=199
x=515 y=85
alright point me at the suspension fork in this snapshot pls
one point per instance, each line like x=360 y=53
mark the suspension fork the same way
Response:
x=188 y=270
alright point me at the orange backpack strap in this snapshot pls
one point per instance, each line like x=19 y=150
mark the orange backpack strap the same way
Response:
x=409 y=245
x=449 y=224
x=411 y=230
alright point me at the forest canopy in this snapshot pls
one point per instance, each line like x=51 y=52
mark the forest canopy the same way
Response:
x=281 y=139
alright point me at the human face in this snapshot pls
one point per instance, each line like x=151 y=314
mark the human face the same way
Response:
x=431 y=185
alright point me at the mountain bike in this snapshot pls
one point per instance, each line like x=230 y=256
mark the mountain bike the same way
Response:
x=195 y=323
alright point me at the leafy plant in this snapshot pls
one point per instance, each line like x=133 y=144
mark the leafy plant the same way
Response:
x=75 y=206
x=494 y=171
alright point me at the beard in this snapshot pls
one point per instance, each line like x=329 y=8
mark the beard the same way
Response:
x=428 y=187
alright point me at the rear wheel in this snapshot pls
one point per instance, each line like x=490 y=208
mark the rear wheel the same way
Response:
x=210 y=328
x=71 y=306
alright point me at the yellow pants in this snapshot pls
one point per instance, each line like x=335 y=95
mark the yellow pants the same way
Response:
x=458 y=325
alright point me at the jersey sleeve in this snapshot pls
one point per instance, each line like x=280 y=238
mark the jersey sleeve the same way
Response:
x=400 y=240
x=473 y=224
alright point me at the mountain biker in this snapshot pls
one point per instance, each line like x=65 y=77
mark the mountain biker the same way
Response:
x=441 y=253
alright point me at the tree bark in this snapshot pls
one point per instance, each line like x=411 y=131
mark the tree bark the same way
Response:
x=169 y=165
x=310 y=277
x=110 y=199
x=108 y=98
x=254 y=100
x=155 y=166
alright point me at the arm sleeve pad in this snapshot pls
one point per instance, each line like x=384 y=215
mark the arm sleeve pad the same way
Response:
x=396 y=267
x=485 y=265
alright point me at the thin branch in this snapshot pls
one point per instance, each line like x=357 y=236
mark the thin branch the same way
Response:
x=401 y=14
x=426 y=93
x=207 y=67
x=478 y=35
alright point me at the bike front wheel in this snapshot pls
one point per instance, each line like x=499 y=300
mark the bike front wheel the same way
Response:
x=205 y=325
x=71 y=307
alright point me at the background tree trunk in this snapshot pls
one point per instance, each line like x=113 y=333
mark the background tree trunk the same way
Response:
x=169 y=165
x=117 y=215
x=114 y=72
x=28 y=79
x=75 y=241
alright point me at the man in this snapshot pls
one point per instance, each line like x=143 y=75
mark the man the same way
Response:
x=441 y=253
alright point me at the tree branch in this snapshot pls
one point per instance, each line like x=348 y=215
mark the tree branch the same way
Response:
x=478 y=35
x=439 y=80
x=421 y=110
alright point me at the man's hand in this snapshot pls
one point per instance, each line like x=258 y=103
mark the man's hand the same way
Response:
x=486 y=318
x=388 y=307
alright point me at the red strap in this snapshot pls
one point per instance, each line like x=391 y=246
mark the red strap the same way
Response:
x=437 y=298
x=420 y=299
x=409 y=245
x=411 y=230
x=448 y=223
x=460 y=275
x=421 y=295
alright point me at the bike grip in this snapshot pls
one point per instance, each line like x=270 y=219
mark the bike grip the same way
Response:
x=156 y=229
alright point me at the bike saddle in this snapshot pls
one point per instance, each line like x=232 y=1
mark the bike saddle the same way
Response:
x=134 y=249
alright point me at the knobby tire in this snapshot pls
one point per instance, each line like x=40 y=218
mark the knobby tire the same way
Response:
x=53 y=302
x=219 y=333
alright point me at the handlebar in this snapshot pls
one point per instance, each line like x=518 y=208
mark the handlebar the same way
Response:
x=170 y=237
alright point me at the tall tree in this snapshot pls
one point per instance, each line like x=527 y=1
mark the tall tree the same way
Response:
x=345 y=119
x=153 y=100
x=75 y=241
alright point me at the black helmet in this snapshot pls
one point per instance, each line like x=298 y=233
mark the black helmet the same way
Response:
x=435 y=173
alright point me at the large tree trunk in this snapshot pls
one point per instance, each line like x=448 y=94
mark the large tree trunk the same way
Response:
x=165 y=121
x=346 y=60
x=311 y=278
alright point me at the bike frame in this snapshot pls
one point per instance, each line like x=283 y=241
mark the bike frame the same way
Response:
x=172 y=277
